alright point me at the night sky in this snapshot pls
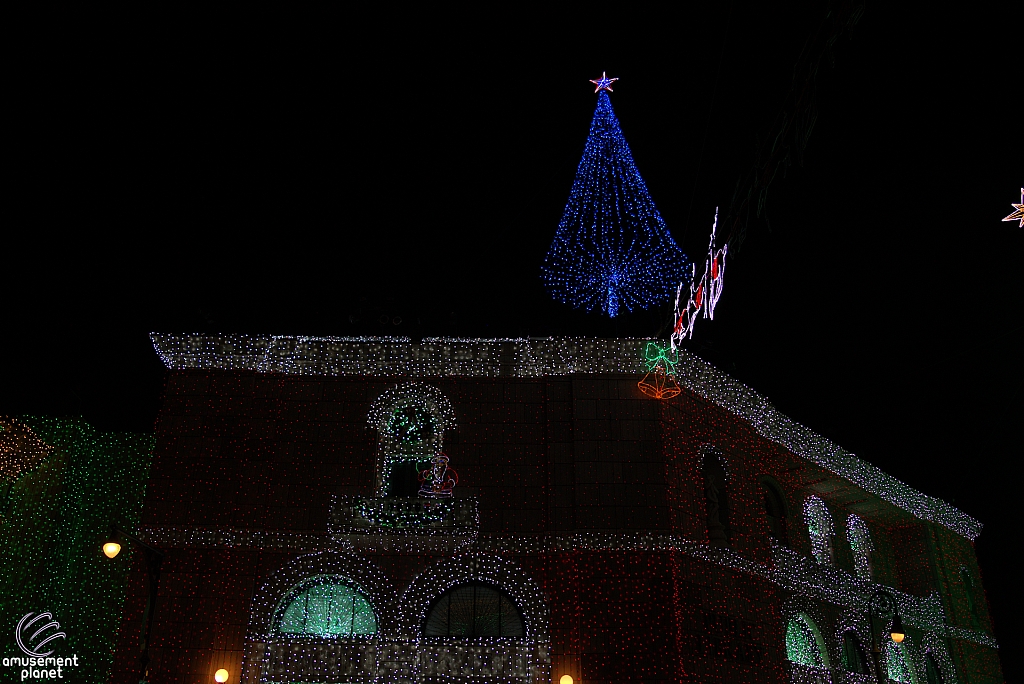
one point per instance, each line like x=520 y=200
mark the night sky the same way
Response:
x=330 y=175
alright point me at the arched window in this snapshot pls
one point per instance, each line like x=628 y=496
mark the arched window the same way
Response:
x=819 y=527
x=412 y=432
x=474 y=610
x=861 y=546
x=931 y=669
x=716 y=496
x=968 y=589
x=897 y=664
x=326 y=606
x=411 y=419
x=853 y=654
x=775 y=511
x=803 y=643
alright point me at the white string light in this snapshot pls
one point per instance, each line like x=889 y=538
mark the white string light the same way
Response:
x=787 y=569
x=518 y=357
x=703 y=294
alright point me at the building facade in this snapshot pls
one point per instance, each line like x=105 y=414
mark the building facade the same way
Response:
x=380 y=510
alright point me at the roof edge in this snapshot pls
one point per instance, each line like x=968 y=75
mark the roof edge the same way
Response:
x=539 y=357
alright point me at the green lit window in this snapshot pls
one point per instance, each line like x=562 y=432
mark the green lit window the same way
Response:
x=968 y=588
x=413 y=435
x=802 y=643
x=896 y=663
x=327 y=606
x=474 y=610
x=819 y=527
x=413 y=428
x=860 y=544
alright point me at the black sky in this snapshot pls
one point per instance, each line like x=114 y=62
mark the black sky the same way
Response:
x=316 y=174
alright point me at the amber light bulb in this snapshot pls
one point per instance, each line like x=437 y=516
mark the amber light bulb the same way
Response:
x=566 y=679
x=897 y=633
x=221 y=676
x=111 y=549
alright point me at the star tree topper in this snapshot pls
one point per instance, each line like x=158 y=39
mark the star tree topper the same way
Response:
x=1018 y=209
x=604 y=83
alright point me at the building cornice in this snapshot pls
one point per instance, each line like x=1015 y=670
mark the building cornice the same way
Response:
x=540 y=357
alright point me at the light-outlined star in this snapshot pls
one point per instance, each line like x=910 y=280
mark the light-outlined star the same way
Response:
x=604 y=83
x=1018 y=212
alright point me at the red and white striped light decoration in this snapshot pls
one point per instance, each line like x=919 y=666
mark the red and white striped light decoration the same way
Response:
x=703 y=293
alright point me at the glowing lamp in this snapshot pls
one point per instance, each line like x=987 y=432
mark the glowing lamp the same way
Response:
x=111 y=549
x=897 y=634
x=221 y=676
x=566 y=679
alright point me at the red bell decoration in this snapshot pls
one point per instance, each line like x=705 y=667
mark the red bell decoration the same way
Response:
x=659 y=385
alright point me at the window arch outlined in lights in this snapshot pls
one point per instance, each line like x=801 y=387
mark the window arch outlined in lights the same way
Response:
x=474 y=610
x=328 y=606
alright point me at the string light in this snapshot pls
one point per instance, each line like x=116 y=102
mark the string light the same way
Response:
x=595 y=604
x=438 y=480
x=787 y=569
x=546 y=357
x=401 y=525
x=326 y=606
x=819 y=527
x=603 y=83
x=896 y=665
x=660 y=380
x=393 y=646
x=411 y=419
x=1018 y=210
x=703 y=294
x=21 y=450
x=860 y=543
x=611 y=251
x=65 y=484
x=802 y=645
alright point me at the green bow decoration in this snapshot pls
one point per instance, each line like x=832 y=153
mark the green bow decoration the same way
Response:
x=657 y=356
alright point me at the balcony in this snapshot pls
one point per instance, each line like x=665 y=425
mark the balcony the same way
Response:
x=403 y=525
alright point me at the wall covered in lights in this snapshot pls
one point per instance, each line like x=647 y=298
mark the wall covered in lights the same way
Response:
x=588 y=529
x=56 y=509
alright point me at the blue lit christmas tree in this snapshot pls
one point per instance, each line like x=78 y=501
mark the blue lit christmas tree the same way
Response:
x=612 y=250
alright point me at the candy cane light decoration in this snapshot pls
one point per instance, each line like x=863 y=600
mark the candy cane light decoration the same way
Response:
x=703 y=293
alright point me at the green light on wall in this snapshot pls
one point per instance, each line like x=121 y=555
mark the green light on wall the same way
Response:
x=61 y=501
x=801 y=645
x=896 y=665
